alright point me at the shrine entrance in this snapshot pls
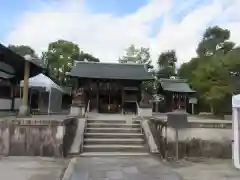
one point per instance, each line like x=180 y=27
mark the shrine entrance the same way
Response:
x=104 y=97
x=110 y=101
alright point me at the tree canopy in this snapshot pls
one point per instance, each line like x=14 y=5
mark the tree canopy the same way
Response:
x=137 y=56
x=140 y=56
x=215 y=39
x=209 y=73
x=60 y=58
x=22 y=50
x=167 y=64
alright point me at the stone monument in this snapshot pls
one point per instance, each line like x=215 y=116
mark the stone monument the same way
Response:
x=78 y=103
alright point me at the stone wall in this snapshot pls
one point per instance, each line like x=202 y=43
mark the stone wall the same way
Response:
x=35 y=140
x=201 y=148
x=199 y=140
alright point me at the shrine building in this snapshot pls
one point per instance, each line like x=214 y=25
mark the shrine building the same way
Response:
x=176 y=94
x=110 y=87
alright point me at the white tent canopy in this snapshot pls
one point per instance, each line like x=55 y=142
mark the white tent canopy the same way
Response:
x=41 y=80
x=54 y=99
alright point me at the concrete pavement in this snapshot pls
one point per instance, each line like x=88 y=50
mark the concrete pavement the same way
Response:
x=206 y=169
x=31 y=168
x=122 y=168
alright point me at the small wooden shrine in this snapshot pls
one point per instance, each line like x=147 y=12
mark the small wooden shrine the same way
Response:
x=176 y=94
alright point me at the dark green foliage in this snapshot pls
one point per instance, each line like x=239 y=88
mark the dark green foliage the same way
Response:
x=209 y=73
x=22 y=50
x=60 y=58
x=167 y=64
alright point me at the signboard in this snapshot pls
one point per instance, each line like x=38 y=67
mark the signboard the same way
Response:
x=177 y=120
x=193 y=100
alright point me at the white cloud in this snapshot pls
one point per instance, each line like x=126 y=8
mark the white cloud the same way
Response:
x=107 y=36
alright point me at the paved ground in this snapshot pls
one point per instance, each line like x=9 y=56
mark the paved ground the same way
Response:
x=31 y=168
x=122 y=168
x=206 y=169
x=149 y=168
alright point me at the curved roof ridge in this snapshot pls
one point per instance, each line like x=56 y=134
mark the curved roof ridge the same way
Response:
x=92 y=62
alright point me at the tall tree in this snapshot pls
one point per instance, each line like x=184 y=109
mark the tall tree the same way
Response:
x=87 y=57
x=209 y=72
x=215 y=39
x=60 y=58
x=130 y=55
x=137 y=56
x=167 y=64
x=140 y=56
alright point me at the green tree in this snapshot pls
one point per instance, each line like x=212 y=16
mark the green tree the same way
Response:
x=215 y=39
x=22 y=50
x=87 y=57
x=209 y=72
x=130 y=55
x=167 y=64
x=60 y=57
x=140 y=56
x=137 y=56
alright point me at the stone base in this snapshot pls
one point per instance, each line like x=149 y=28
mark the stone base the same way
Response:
x=145 y=112
x=78 y=111
x=24 y=111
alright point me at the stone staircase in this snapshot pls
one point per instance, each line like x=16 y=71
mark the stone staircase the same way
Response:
x=113 y=137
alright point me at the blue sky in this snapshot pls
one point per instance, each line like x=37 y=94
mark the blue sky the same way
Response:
x=11 y=9
x=9 y=12
x=106 y=28
x=116 y=7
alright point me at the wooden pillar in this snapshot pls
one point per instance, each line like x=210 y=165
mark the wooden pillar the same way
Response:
x=24 y=106
x=25 y=84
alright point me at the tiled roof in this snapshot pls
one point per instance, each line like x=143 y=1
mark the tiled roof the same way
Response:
x=110 y=71
x=175 y=85
x=12 y=60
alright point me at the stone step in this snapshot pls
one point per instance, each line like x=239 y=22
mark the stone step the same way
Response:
x=114 y=130
x=91 y=154
x=114 y=148
x=113 y=135
x=133 y=141
x=112 y=125
x=114 y=121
